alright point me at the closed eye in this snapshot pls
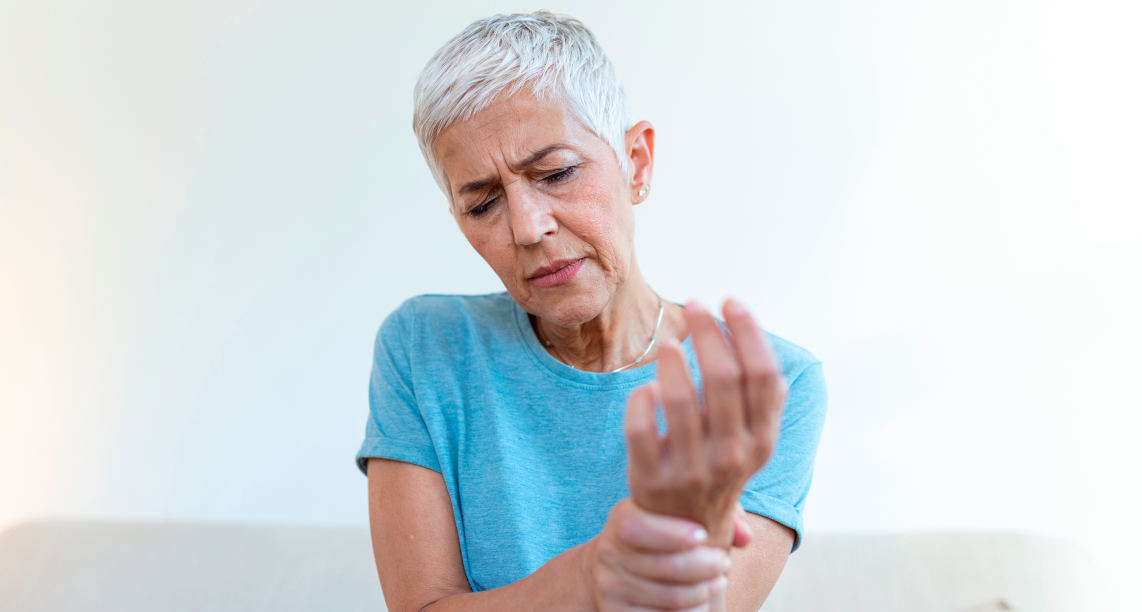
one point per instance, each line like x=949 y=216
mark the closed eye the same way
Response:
x=551 y=179
x=482 y=208
x=559 y=177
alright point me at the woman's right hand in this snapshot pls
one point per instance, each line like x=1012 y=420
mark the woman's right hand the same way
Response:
x=711 y=448
x=642 y=560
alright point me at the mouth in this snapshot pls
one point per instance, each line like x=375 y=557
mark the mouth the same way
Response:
x=556 y=273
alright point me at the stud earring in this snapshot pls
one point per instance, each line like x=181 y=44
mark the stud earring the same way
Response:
x=643 y=191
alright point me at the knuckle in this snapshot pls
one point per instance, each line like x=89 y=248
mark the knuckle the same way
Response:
x=767 y=376
x=781 y=387
x=675 y=395
x=627 y=529
x=729 y=460
x=607 y=554
x=607 y=582
x=725 y=375
x=763 y=448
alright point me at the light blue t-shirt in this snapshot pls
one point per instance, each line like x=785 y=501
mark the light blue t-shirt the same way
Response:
x=532 y=450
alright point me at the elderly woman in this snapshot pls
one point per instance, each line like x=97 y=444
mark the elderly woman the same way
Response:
x=522 y=451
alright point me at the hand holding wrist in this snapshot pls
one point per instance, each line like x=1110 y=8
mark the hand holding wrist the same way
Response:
x=646 y=560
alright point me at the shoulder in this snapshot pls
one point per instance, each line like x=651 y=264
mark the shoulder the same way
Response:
x=440 y=309
x=442 y=306
x=794 y=359
x=452 y=316
x=807 y=397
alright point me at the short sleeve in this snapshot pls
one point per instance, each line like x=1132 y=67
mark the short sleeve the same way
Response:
x=395 y=428
x=779 y=490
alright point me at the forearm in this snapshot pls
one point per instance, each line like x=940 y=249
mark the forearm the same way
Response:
x=559 y=585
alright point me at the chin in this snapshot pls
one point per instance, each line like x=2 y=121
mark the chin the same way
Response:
x=567 y=306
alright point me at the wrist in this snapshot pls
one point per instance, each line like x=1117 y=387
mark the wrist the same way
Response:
x=720 y=525
x=721 y=533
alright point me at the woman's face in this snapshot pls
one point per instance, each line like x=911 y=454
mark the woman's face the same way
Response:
x=544 y=202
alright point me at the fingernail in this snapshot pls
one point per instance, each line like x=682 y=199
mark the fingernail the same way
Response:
x=719 y=584
x=698 y=536
x=727 y=565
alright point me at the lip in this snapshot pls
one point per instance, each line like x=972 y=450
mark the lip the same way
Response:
x=556 y=273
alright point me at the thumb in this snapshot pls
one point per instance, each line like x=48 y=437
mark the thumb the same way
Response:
x=742 y=532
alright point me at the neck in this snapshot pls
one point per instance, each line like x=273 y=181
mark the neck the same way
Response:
x=618 y=335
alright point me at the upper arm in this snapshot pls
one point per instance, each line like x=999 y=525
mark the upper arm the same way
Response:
x=757 y=567
x=415 y=544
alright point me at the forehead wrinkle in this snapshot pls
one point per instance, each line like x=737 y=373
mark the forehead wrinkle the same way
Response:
x=516 y=168
x=489 y=181
x=481 y=132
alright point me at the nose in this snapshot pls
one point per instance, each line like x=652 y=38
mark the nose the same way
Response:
x=528 y=214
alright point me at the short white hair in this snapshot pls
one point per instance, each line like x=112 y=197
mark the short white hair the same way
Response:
x=556 y=56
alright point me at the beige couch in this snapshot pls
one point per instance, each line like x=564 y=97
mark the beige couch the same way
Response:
x=104 y=566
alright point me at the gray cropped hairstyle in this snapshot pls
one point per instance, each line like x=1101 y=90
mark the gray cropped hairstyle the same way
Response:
x=556 y=56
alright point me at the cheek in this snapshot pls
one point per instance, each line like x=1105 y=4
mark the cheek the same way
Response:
x=608 y=225
x=494 y=246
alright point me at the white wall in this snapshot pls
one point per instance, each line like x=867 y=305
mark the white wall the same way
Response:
x=209 y=207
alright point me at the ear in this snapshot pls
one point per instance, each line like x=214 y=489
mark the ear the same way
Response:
x=640 y=156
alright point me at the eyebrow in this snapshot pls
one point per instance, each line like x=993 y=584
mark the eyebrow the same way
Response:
x=482 y=184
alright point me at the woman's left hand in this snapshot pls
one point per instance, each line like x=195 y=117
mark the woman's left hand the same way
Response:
x=698 y=468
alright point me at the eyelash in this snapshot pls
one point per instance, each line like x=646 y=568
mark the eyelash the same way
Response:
x=550 y=179
x=559 y=177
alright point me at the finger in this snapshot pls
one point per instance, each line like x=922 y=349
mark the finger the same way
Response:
x=667 y=596
x=721 y=376
x=688 y=567
x=743 y=534
x=764 y=386
x=621 y=606
x=649 y=532
x=679 y=401
x=644 y=448
x=614 y=605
